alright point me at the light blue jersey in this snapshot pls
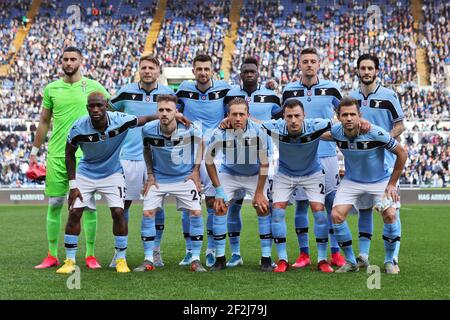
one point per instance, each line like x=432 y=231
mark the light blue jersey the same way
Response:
x=298 y=156
x=319 y=101
x=174 y=156
x=239 y=152
x=264 y=104
x=381 y=108
x=364 y=155
x=101 y=149
x=132 y=99
x=206 y=109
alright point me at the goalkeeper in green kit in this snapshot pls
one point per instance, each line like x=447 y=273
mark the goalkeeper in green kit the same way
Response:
x=65 y=100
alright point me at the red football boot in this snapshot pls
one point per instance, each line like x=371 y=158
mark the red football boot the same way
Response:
x=324 y=266
x=303 y=260
x=92 y=263
x=282 y=266
x=337 y=260
x=48 y=262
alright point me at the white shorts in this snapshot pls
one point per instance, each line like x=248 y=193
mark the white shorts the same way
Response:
x=236 y=187
x=112 y=188
x=366 y=201
x=208 y=188
x=135 y=172
x=350 y=191
x=331 y=167
x=185 y=193
x=314 y=186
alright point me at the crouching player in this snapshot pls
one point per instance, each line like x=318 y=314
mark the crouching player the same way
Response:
x=100 y=135
x=172 y=154
x=244 y=170
x=366 y=173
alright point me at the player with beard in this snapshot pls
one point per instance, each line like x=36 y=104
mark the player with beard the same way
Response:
x=380 y=106
x=65 y=101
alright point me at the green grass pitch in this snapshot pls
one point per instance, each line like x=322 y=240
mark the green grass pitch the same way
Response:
x=424 y=261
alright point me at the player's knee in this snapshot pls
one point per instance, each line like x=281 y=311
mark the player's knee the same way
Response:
x=195 y=213
x=261 y=213
x=337 y=216
x=280 y=205
x=317 y=206
x=389 y=216
x=56 y=201
x=117 y=213
x=149 y=213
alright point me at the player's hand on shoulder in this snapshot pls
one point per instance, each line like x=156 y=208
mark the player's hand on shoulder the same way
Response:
x=271 y=84
x=182 y=119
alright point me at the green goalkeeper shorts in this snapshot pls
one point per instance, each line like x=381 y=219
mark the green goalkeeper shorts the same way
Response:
x=56 y=181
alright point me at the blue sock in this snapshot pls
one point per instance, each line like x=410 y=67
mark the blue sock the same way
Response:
x=220 y=234
x=265 y=234
x=365 y=227
x=148 y=236
x=209 y=231
x=344 y=238
x=126 y=214
x=397 y=243
x=329 y=199
x=301 y=225
x=196 y=232
x=121 y=246
x=234 y=227
x=391 y=235
x=71 y=245
x=321 y=232
x=159 y=226
x=185 y=223
x=279 y=232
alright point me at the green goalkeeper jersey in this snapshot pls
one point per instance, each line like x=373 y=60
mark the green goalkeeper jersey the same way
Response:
x=68 y=103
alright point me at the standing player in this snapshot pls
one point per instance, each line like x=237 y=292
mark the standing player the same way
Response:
x=298 y=140
x=319 y=98
x=380 y=106
x=64 y=101
x=244 y=169
x=139 y=99
x=366 y=173
x=100 y=135
x=202 y=102
x=172 y=155
x=264 y=104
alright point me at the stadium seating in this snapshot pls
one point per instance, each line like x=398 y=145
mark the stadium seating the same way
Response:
x=113 y=34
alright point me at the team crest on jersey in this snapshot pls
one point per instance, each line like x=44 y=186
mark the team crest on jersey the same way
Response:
x=323 y=92
x=203 y=97
x=133 y=96
x=103 y=137
x=377 y=103
x=248 y=99
x=191 y=94
x=309 y=93
x=83 y=86
x=147 y=98
x=90 y=138
x=365 y=103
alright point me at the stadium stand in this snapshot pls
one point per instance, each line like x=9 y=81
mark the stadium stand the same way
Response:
x=113 y=34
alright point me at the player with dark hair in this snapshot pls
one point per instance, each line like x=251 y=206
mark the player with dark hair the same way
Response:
x=100 y=135
x=202 y=102
x=264 y=104
x=319 y=98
